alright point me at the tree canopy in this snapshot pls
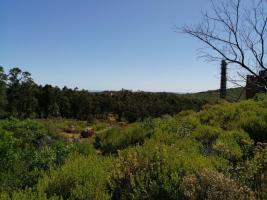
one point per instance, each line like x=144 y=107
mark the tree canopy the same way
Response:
x=21 y=97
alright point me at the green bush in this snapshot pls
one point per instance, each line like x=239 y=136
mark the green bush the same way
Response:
x=120 y=138
x=249 y=115
x=207 y=136
x=254 y=171
x=256 y=125
x=153 y=171
x=81 y=177
x=85 y=148
x=27 y=194
x=26 y=152
x=233 y=145
x=8 y=148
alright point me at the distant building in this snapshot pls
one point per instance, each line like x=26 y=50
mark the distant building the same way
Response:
x=255 y=84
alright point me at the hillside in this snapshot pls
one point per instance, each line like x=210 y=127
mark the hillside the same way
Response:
x=219 y=152
x=233 y=94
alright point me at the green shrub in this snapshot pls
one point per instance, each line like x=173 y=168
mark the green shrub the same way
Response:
x=57 y=126
x=8 y=149
x=249 y=115
x=81 y=177
x=120 y=138
x=254 y=171
x=188 y=124
x=207 y=136
x=256 y=126
x=84 y=147
x=27 y=194
x=26 y=152
x=167 y=125
x=233 y=145
x=153 y=171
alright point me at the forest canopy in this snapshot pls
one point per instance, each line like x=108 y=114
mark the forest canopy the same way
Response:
x=21 y=97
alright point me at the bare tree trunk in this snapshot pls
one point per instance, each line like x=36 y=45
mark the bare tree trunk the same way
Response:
x=223 y=80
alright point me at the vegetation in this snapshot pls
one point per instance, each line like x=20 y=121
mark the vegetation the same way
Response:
x=22 y=98
x=216 y=153
x=143 y=145
x=212 y=96
x=27 y=150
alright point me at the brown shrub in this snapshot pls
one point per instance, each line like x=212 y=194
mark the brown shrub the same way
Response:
x=212 y=185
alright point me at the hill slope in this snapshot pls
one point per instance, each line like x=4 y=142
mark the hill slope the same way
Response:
x=233 y=94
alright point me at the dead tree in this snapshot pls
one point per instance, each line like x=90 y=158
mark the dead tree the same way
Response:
x=253 y=85
x=234 y=31
x=223 y=80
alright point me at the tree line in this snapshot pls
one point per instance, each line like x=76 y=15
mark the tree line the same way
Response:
x=21 y=97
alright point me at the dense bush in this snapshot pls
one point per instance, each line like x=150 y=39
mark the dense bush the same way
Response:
x=219 y=133
x=118 y=138
x=82 y=177
x=211 y=185
x=256 y=125
x=154 y=171
x=207 y=136
x=27 y=194
x=254 y=171
x=27 y=150
x=250 y=115
x=233 y=145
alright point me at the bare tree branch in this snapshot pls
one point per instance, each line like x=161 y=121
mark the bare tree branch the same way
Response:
x=235 y=32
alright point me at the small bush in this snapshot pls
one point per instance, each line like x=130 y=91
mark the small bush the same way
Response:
x=120 y=138
x=207 y=136
x=256 y=126
x=233 y=145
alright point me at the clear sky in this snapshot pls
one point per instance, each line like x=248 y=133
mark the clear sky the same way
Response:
x=106 y=44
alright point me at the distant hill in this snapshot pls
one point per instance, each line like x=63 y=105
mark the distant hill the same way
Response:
x=233 y=94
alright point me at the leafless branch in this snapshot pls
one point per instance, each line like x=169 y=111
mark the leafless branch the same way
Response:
x=234 y=32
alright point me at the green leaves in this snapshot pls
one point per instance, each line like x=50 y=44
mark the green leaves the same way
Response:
x=118 y=138
x=232 y=145
x=82 y=177
x=26 y=151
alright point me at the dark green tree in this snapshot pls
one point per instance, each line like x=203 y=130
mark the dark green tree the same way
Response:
x=13 y=94
x=3 y=96
x=21 y=94
x=28 y=102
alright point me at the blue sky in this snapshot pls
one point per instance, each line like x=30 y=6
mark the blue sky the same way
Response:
x=106 y=44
